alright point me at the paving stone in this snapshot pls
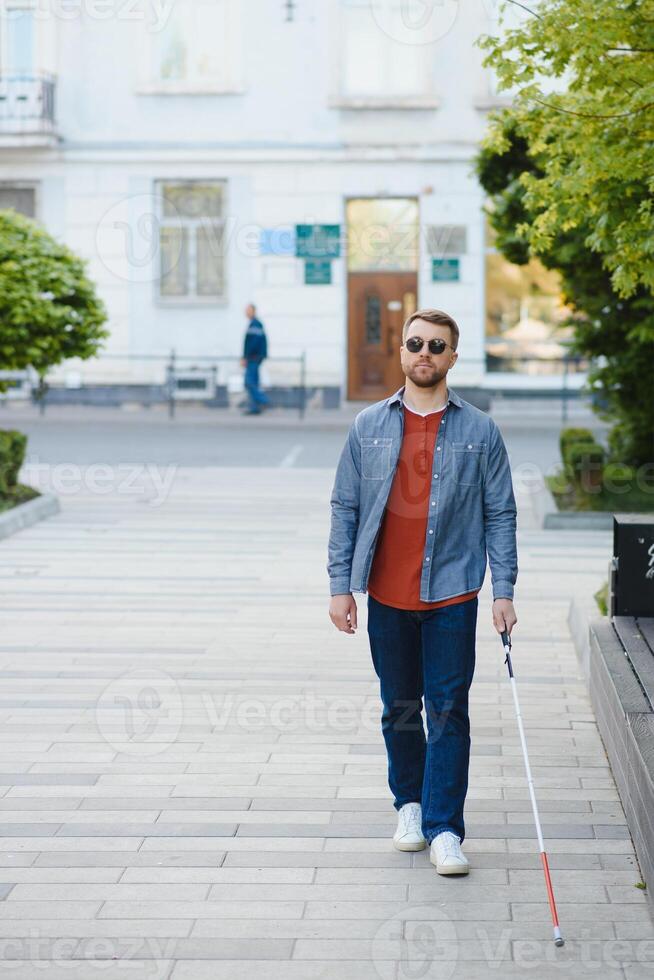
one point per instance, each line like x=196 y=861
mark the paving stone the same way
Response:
x=486 y=931
x=604 y=912
x=270 y=970
x=115 y=909
x=168 y=828
x=71 y=970
x=196 y=948
x=105 y=891
x=265 y=845
x=96 y=928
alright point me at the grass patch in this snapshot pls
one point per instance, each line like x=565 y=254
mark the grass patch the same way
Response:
x=571 y=497
x=19 y=494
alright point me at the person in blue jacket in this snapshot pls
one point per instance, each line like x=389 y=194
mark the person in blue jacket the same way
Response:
x=255 y=349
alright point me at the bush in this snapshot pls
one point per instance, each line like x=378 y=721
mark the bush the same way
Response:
x=49 y=310
x=619 y=477
x=12 y=454
x=602 y=599
x=569 y=437
x=585 y=463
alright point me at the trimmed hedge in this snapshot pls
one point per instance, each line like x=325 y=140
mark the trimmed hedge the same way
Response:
x=585 y=462
x=12 y=454
x=570 y=436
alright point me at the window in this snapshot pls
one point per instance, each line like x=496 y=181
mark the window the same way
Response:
x=385 y=51
x=382 y=234
x=17 y=38
x=192 y=241
x=195 y=48
x=21 y=197
x=524 y=315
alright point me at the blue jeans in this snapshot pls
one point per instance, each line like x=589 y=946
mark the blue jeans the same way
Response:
x=256 y=397
x=430 y=653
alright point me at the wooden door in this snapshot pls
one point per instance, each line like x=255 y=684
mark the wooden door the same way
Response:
x=378 y=305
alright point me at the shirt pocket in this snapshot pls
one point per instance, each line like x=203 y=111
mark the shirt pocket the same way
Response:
x=375 y=457
x=468 y=463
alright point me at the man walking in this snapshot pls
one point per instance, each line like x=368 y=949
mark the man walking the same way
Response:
x=255 y=350
x=422 y=494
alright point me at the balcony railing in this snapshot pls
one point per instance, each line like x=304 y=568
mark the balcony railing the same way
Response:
x=27 y=105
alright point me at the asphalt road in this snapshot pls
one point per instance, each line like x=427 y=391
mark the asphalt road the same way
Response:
x=114 y=437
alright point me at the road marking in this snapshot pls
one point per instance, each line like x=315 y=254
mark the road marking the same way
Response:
x=291 y=456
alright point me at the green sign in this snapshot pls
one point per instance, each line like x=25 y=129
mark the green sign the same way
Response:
x=318 y=241
x=445 y=270
x=317 y=272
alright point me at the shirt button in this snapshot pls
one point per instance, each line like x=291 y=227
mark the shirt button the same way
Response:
x=426 y=559
x=435 y=476
x=433 y=503
x=430 y=531
x=374 y=442
x=469 y=445
x=438 y=449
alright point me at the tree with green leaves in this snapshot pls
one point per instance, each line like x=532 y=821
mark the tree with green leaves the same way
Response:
x=570 y=182
x=49 y=310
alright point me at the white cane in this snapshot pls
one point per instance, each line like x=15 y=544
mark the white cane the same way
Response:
x=558 y=938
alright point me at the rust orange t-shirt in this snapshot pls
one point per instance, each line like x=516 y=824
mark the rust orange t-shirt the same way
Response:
x=397 y=562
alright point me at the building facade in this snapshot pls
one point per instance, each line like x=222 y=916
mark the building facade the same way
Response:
x=311 y=156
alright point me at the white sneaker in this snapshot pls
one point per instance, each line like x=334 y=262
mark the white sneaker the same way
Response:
x=446 y=854
x=409 y=836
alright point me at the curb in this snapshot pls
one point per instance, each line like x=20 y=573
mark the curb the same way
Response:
x=581 y=614
x=31 y=512
x=552 y=519
x=579 y=520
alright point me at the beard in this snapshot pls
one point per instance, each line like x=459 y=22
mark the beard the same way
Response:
x=425 y=377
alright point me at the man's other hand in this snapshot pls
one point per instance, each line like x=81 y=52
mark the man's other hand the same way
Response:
x=343 y=612
x=504 y=617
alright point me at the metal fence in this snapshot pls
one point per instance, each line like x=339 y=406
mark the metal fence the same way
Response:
x=170 y=378
x=152 y=379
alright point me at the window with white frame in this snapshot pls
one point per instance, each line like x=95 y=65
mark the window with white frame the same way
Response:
x=17 y=37
x=386 y=50
x=21 y=197
x=195 y=47
x=192 y=241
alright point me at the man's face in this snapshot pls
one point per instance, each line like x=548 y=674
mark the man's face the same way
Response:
x=249 y=312
x=424 y=368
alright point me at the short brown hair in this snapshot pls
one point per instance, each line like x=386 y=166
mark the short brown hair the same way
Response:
x=433 y=316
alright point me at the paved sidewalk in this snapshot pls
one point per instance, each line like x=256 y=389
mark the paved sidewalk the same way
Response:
x=194 y=779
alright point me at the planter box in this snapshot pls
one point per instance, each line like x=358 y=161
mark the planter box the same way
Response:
x=617 y=659
x=24 y=515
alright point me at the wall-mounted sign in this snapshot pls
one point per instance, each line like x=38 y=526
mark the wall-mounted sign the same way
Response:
x=277 y=241
x=447 y=239
x=445 y=270
x=318 y=241
x=317 y=272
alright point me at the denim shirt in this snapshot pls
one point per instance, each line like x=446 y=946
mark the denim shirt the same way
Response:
x=472 y=509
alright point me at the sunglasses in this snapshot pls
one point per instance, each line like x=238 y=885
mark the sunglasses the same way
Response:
x=436 y=346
